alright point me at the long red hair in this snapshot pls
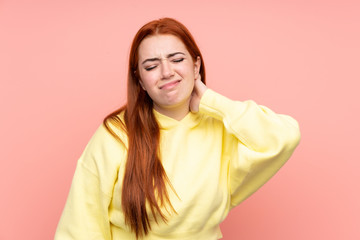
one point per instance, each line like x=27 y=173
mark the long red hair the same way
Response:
x=145 y=178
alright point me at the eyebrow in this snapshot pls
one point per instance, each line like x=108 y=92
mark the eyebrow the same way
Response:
x=158 y=59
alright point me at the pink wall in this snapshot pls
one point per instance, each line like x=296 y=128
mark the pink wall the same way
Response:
x=63 y=68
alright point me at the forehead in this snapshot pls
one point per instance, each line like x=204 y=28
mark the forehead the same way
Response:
x=160 y=46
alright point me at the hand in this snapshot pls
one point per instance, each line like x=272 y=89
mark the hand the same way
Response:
x=199 y=89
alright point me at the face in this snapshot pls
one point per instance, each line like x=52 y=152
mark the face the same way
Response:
x=167 y=72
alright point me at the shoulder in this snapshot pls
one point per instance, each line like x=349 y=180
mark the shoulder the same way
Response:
x=113 y=129
x=209 y=123
x=109 y=139
x=106 y=148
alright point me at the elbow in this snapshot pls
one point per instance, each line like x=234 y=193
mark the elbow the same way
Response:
x=286 y=139
x=293 y=136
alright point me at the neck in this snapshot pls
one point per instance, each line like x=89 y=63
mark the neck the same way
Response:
x=177 y=113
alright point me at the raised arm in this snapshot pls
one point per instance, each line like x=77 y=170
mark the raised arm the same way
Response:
x=258 y=142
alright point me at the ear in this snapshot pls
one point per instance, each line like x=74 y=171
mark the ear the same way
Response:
x=197 y=66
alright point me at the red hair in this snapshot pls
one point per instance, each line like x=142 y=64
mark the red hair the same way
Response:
x=145 y=178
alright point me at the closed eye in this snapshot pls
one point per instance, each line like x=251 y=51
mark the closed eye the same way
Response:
x=178 y=60
x=150 y=68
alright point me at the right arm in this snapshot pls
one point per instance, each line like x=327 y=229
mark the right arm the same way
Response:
x=85 y=215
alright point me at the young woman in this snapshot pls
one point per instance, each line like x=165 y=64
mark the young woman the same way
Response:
x=174 y=160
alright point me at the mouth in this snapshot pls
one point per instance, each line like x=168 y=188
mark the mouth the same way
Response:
x=170 y=85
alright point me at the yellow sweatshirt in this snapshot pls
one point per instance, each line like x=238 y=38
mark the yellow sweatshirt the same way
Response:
x=214 y=159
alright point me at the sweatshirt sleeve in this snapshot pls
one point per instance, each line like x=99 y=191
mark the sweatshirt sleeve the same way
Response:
x=261 y=141
x=85 y=216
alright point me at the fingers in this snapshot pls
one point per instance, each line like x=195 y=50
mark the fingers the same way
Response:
x=198 y=84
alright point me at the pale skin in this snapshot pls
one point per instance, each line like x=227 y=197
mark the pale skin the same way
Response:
x=170 y=76
x=198 y=92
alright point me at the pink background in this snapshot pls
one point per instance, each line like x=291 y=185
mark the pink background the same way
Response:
x=63 y=68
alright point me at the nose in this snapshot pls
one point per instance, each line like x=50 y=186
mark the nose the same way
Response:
x=167 y=70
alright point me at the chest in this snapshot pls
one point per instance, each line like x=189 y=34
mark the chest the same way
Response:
x=193 y=161
x=195 y=166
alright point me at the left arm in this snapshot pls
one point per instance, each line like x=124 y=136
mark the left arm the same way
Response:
x=261 y=141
